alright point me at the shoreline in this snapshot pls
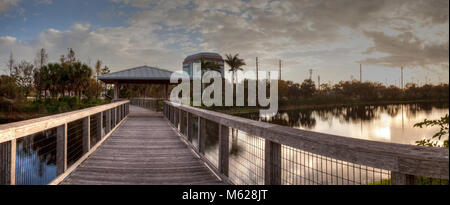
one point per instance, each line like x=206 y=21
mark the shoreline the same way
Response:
x=242 y=110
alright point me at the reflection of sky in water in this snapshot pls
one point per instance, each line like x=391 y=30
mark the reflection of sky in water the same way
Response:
x=31 y=170
x=391 y=123
x=385 y=128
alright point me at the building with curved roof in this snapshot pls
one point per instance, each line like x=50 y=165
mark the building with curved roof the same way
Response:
x=196 y=58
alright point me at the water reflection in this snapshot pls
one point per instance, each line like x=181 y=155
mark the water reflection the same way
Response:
x=36 y=158
x=389 y=123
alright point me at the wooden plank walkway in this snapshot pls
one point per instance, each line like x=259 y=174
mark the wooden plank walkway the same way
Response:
x=143 y=150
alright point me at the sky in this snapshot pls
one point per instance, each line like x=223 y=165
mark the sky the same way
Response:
x=331 y=37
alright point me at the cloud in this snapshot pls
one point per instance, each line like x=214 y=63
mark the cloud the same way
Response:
x=5 y=5
x=407 y=50
x=324 y=33
x=48 y=2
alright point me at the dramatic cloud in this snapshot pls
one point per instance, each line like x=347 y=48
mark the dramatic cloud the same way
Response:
x=406 y=50
x=322 y=35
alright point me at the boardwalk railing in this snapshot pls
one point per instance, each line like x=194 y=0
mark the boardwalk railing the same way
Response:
x=45 y=150
x=244 y=151
x=154 y=104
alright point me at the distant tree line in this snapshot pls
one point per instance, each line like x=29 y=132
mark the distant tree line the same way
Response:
x=68 y=78
x=356 y=91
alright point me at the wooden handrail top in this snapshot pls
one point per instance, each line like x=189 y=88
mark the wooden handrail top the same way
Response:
x=407 y=159
x=20 y=129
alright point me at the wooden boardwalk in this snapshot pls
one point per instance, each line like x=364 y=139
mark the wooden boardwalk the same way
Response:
x=143 y=150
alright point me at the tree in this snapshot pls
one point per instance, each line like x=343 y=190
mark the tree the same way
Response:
x=81 y=74
x=9 y=89
x=235 y=64
x=41 y=58
x=10 y=64
x=23 y=74
x=98 y=68
x=105 y=70
x=209 y=65
x=70 y=58
x=94 y=89
x=443 y=124
x=307 y=88
x=40 y=61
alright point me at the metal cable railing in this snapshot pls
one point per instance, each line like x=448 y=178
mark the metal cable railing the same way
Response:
x=44 y=150
x=251 y=152
x=36 y=158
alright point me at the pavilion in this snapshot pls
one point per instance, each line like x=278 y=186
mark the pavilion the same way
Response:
x=138 y=75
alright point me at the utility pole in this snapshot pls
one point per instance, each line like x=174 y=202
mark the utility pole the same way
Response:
x=11 y=63
x=402 y=76
x=257 y=72
x=310 y=73
x=360 y=73
x=257 y=79
x=279 y=76
x=318 y=80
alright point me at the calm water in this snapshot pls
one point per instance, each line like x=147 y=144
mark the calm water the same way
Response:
x=386 y=123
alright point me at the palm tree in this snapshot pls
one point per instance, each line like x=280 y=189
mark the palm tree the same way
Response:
x=81 y=75
x=208 y=65
x=98 y=68
x=235 y=64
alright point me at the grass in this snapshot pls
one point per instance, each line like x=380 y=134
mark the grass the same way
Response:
x=420 y=181
x=30 y=109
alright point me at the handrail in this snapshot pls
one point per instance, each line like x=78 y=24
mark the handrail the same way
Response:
x=397 y=158
x=23 y=128
x=149 y=103
x=62 y=140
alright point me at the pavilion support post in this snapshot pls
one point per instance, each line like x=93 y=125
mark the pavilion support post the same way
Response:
x=116 y=91
x=166 y=91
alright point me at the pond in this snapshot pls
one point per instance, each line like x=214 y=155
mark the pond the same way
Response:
x=386 y=123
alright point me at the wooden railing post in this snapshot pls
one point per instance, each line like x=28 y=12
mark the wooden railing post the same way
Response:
x=13 y=162
x=169 y=114
x=108 y=121
x=61 y=149
x=272 y=167
x=86 y=134
x=175 y=117
x=100 y=125
x=113 y=113
x=164 y=110
x=201 y=135
x=119 y=111
x=190 y=128
x=180 y=120
x=116 y=111
x=224 y=138
x=398 y=178
x=172 y=114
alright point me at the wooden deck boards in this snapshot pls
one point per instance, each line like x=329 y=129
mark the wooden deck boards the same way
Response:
x=143 y=150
